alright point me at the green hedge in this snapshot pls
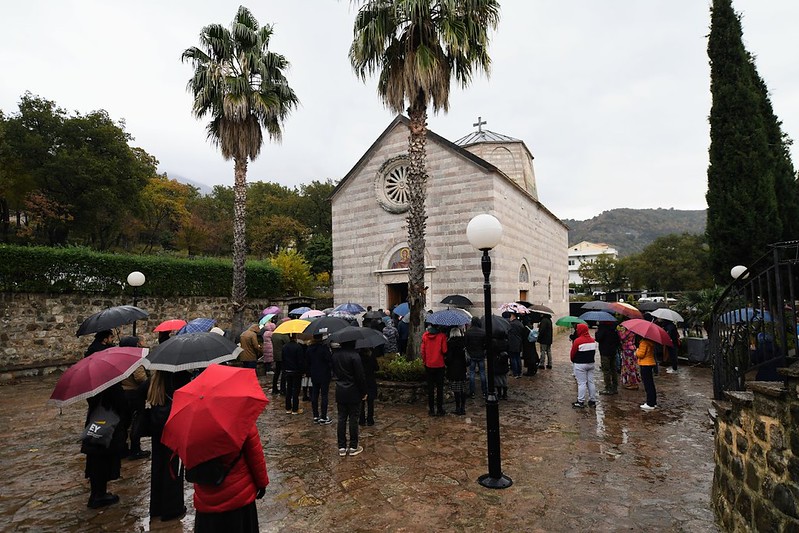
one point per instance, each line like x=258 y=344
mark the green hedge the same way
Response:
x=66 y=270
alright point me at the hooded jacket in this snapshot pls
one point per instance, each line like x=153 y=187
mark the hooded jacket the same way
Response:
x=269 y=354
x=545 y=330
x=608 y=339
x=583 y=347
x=434 y=346
x=251 y=348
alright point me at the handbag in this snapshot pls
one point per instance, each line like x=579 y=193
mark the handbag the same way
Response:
x=142 y=424
x=99 y=431
x=533 y=335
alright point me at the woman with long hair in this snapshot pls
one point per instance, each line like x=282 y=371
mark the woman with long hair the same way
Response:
x=166 y=479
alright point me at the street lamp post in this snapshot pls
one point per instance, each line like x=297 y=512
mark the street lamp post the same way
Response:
x=135 y=279
x=484 y=233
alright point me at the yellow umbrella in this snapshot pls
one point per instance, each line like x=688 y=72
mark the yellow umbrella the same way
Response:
x=292 y=326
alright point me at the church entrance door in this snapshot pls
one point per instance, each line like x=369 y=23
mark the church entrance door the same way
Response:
x=396 y=293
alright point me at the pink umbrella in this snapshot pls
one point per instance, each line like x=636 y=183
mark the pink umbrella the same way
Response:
x=313 y=313
x=648 y=330
x=95 y=373
x=271 y=310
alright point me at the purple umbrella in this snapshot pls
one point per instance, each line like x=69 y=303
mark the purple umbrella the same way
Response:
x=350 y=308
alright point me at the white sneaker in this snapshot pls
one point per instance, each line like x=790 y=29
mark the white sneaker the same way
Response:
x=670 y=371
x=647 y=407
x=342 y=452
x=354 y=451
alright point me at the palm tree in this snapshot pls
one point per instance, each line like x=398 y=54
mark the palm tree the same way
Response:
x=417 y=46
x=240 y=83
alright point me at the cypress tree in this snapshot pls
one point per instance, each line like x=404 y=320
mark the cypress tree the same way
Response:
x=743 y=215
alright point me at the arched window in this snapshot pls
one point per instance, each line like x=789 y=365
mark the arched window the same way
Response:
x=524 y=277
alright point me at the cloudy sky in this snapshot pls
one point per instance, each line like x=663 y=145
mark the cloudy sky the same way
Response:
x=611 y=96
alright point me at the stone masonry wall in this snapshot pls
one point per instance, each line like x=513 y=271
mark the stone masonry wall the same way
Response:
x=37 y=331
x=756 y=478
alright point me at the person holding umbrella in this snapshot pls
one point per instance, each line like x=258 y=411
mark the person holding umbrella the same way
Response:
x=350 y=390
x=320 y=368
x=294 y=367
x=102 y=340
x=582 y=356
x=434 y=346
x=609 y=344
x=646 y=360
x=103 y=466
x=545 y=341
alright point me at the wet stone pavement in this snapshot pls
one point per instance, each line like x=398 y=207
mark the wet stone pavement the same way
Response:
x=612 y=468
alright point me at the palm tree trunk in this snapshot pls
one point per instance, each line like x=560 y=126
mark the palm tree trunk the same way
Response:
x=239 y=294
x=417 y=223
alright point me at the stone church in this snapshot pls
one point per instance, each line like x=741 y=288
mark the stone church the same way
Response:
x=483 y=172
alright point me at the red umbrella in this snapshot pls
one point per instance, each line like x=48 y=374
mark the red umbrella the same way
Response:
x=170 y=325
x=95 y=373
x=648 y=330
x=626 y=309
x=212 y=415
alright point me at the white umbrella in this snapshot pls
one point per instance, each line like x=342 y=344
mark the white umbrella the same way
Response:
x=667 y=314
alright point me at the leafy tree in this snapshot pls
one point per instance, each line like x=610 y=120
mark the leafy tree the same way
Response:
x=315 y=209
x=319 y=253
x=417 y=46
x=164 y=209
x=751 y=186
x=295 y=273
x=671 y=263
x=241 y=84
x=275 y=233
x=698 y=306
x=604 y=271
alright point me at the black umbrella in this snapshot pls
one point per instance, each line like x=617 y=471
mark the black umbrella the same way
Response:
x=538 y=308
x=190 y=351
x=372 y=338
x=325 y=325
x=499 y=325
x=111 y=318
x=373 y=315
x=651 y=306
x=457 y=300
x=348 y=334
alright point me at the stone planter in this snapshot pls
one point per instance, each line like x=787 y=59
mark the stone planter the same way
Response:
x=401 y=392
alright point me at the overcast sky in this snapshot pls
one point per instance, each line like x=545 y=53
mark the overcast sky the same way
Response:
x=611 y=97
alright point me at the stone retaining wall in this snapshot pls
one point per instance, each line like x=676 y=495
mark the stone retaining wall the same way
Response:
x=37 y=331
x=756 y=478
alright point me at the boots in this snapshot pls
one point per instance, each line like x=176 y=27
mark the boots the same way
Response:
x=460 y=403
x=503 y=393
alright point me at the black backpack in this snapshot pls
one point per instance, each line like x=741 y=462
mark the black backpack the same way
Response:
x=212 y=472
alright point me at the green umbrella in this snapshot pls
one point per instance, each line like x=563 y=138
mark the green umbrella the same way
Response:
x=569 y=321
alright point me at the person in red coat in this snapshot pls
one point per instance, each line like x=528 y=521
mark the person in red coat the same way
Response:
x=230 y=507
x=434 y=346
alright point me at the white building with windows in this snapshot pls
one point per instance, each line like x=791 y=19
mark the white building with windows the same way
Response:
x=585 y=252
x=484 y=172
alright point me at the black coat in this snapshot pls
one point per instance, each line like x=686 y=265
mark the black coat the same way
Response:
x=515 y=335
x=320 y=362
x=294 y=359
x=608 y=339
x=350 y=376
x=476 y=343
x=455 y=359
x=107 y=465
x=545 y=330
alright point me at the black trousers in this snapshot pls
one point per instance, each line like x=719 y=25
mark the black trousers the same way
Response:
x=648 y=378
x=292 y=390
x=278 y=378
x=435 y=382
x=348 y=416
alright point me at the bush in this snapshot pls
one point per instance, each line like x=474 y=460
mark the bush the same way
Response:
x=397 y=368
x=67 y=270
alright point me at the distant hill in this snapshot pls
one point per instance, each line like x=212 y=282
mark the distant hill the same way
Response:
x=204 y=189
x=631 y=230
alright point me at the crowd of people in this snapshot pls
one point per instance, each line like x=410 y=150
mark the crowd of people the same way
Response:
x=624 y=356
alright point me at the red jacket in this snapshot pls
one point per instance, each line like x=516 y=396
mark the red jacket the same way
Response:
x=434 y=346
x=242 y=482
x=583 y=347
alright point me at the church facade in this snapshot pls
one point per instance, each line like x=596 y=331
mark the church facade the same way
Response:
x=483 y=172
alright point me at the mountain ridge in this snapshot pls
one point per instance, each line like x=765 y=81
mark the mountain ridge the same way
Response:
x=631 y=230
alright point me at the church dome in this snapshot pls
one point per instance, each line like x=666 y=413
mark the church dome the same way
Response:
x=484 y=136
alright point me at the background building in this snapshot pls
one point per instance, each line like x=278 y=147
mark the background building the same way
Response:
x=585 y=252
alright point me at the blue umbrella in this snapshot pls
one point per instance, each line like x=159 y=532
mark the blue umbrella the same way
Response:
x=745 y=314
x=350 y=308
x=402 y=309
x=598 y=316
x=299 y=310
x=198 y=325
x=447 y=317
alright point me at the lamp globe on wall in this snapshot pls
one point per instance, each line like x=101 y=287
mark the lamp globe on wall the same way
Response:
x=737 y=271
x=135 y=279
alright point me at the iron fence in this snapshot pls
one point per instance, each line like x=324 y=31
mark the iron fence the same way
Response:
x=754 y=324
